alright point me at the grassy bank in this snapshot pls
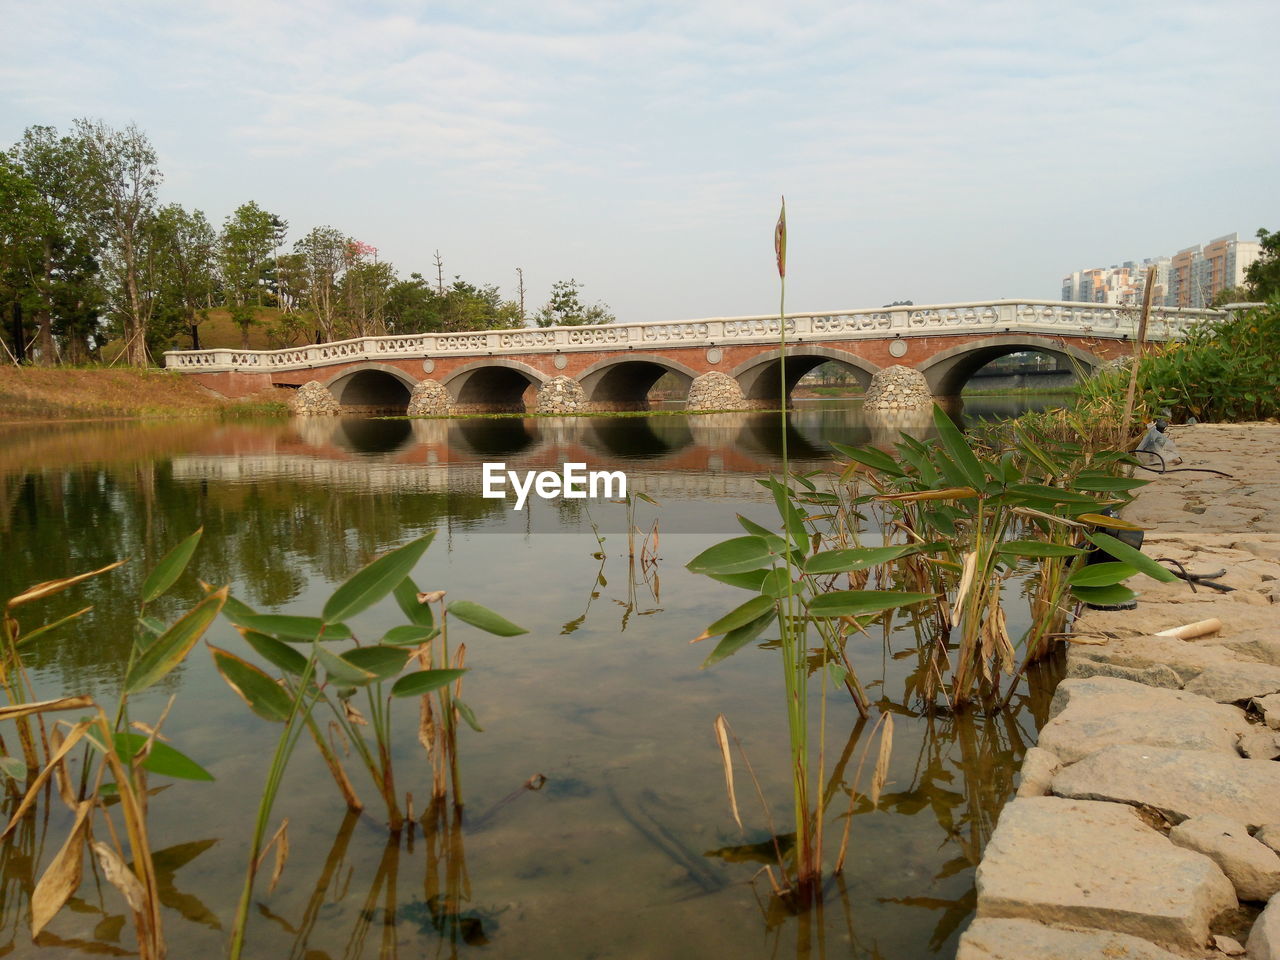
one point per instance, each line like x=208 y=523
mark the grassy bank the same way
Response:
x=62 y=393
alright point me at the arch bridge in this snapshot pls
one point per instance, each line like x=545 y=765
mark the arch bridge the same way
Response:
x=614 y=366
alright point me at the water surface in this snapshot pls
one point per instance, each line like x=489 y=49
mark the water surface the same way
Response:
x=629 y=849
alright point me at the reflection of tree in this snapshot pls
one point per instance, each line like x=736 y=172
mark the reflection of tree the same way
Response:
x=268 y=538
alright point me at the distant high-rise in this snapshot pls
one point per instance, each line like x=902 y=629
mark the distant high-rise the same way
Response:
x=1190 y=278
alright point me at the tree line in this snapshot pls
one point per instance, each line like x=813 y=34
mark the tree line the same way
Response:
x=90 y=257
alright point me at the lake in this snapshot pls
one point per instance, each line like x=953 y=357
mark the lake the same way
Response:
x=628 y=848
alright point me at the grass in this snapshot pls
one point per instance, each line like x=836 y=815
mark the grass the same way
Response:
x=100 y=393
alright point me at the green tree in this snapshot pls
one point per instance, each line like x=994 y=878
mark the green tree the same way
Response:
x=249 y=237
x=1263 y=275
x=121 y=180
x=186 y=245
x=323 y=253
x=566 y=309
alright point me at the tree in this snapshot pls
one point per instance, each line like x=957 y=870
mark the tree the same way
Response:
x=54 y=231
x=187 y=248
x=323 y=253
x=565 y=308
x=249 y=236
x=413 y=306
x=1263 y=275
x=122 y=177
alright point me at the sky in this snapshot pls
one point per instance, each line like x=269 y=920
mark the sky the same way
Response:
x=932 y=151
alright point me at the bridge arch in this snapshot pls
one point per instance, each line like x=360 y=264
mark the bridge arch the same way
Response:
x=372 y=387
x=494 y=384
x=949 y=370
x=759 y=375
x=623 y=382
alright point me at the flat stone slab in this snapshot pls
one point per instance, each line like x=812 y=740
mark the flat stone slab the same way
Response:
x=1251 y=866
x=1098 y=866
x=1024 y=940
x=1231 y=683
x=1178 y=783
x=1264 y=938
x=1091 y=713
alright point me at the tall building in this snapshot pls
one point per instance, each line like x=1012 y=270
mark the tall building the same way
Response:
x=1190 y=278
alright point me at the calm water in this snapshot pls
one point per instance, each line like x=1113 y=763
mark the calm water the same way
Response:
x=629 y=850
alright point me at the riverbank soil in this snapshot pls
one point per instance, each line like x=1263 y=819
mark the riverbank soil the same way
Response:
x=59 y=393
x=1147 y=822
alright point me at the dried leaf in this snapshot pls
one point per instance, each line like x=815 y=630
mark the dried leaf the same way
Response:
x=50 y=587
x=722 y=738
x=73 y=737
x=121 y=877
x=432 y=596
x=882 y=760
x=353 y=715
x=60 y=775
x=966 y=581
x=14 y=711
x=62 y=878
x=279 y=840
x=146 y=728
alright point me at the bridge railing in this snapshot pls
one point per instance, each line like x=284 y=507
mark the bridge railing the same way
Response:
x=1047 y=317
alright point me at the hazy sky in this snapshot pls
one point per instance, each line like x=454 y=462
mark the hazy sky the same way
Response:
x=929 y=151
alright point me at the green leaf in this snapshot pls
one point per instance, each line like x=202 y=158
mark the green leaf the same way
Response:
x=163 y=759
x=1037 y=548
x=1100 y=574
x=754 y=528
x=152 y=625
x=854 y=558
x=170 y=568
x=342 y=672
x=424 y=681
x=373 y=582
x=484 y=618
x=28 y=637
x=774 y=583
x=862 y=603
x=13 y=768
x=1111 y=523
x=1043 y=494
x=957 y=447
x=1102 y=483
x=737 y=555
x=1108 y=596
x=1135 y=558
x=275 y=652
x=235 y=610
x=382 y=662
x=753 y=609
x=467 y=714
x=169 y=649
x=751 y=580
x=263 y=695
x=288 y=627
x=409 y=635
x=419 y=614
x=792 y=519
x=871 y=457
x=735 y=640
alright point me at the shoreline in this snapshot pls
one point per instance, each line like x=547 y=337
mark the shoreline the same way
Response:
x=1154 y=788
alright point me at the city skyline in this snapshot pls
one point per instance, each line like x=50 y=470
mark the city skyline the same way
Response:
x=926 y=153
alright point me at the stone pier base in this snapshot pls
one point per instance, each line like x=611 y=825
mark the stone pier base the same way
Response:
x=716 y=391
x=898 y=388
x=313 y=399
x=561 y=395
x=429 y=399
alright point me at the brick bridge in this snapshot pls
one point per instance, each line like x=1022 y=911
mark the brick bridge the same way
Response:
x=613 y=366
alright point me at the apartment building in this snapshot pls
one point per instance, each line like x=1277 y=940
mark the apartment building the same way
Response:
x=1190 y=278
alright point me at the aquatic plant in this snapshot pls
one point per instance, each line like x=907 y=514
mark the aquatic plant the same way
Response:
x=118 y=754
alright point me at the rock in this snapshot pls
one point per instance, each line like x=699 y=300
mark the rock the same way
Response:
x=1098 y=866
x=1187 y=658
x=1270 y=707
x=1264 y=938
x=561 y=395
x=1227 y=946
x=1269 y=833
x=1024 y=940
x=1157 y=675
x=716 y=391
x=1252 y=867
x=1089 y=714
x=1038 y=768
x=898 y=388
x=1178 y=783
x=430 y=398
x=1232 y=683
x=313 y=399
x=1259 y=743
x=1263 y=649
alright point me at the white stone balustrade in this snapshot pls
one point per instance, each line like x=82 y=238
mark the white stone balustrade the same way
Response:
x=1045 y=317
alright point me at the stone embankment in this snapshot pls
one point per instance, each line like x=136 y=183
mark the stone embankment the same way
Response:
x=1147 y=821
x=313 y=399
x=898 y=388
